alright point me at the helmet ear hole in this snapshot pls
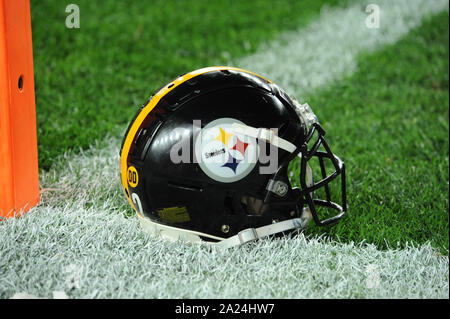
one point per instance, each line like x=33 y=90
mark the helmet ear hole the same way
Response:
x=233 y=205
x=243 y=205
x=252 y=205
x=228 y=204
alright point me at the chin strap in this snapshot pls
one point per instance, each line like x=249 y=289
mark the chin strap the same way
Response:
x=252 y=234
x=263 y=134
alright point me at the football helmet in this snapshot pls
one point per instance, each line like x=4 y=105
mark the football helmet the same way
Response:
x=206 y=159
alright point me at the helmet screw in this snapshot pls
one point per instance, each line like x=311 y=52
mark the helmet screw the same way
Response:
x=274 y=221
x=225 y=228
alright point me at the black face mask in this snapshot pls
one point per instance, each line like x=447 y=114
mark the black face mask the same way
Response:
x=314 y=150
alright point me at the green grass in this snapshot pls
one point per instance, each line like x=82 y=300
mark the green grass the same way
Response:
x=389 y=122
x=90 y=81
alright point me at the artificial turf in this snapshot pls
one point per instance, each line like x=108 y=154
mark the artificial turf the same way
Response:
x=389 y=122
x=90 y=81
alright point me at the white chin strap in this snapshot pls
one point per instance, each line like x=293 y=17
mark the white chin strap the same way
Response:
x=303 y=111
x=263 y=134
x=252 y=234
x=247 y=235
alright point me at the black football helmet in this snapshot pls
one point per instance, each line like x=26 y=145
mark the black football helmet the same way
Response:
x=206 y=159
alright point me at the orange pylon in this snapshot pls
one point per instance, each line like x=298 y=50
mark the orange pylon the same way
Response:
x=19 y=181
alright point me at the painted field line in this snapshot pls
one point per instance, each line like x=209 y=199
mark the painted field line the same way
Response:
x=326 y=50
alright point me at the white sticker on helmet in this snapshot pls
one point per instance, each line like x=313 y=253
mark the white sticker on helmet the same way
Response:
x=225 y=156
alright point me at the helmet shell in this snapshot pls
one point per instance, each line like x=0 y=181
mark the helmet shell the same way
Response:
x=182 y=194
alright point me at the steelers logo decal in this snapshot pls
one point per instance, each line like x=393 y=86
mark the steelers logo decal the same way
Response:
x=132 y=176
x=223 y=155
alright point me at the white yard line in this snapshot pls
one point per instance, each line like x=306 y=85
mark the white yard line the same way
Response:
x=326 y=50
x=78 y=242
